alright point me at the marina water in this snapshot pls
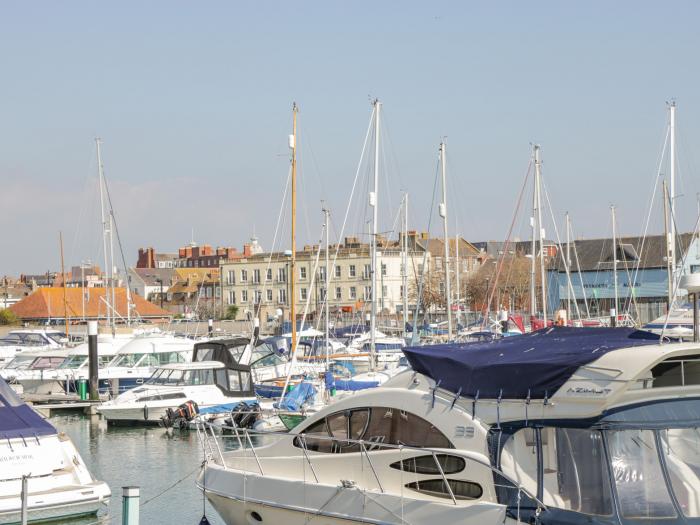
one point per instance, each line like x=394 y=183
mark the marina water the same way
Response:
x=146 y=457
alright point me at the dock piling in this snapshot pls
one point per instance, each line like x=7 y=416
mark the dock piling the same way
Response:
x=93 y=360
x=130 y=506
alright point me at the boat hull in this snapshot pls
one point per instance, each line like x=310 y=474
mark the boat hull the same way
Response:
x=245 y=498
x=69 y=503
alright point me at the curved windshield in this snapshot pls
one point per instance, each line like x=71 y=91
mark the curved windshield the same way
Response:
x=57 y=337
x=182 y=377
x=21 y=362
x=74 y=361
x=265 y=355
x=46 y=362
x=127 y=360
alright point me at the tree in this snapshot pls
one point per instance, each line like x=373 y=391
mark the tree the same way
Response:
x=7 y=317
x=511 y=290
x=231 y=313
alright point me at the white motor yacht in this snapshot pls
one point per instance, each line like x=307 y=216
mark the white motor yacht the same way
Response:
x=207 y=383
x=17 y=341
x=136 y=361
x=560 y=426
x=59 y=484
x=33 y=362
x=75 y=367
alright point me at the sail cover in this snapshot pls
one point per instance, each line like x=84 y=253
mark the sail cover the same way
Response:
x=17 y=419
x=534 y=364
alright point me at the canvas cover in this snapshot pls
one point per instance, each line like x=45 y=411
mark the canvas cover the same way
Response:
x=534 y=364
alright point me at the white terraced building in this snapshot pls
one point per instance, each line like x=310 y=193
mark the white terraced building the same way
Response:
x=264 y=279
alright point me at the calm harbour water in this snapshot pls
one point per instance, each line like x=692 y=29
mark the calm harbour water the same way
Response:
x=146 y=457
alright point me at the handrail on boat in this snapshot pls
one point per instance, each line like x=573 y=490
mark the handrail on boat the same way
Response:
x=208 y=433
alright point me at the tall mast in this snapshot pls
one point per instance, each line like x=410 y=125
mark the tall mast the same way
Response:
x=328 y=281
x=374 y=201
x=443 y=214
x=404 y=263
x=568 y=266
x=672 y=197
x=105 y=227
x=63 y=281
x=614 y=243
x=533 y=242
x=292 y=264
x=111 y=268
x=538 y=192
x=458 y=315
x=669 y=262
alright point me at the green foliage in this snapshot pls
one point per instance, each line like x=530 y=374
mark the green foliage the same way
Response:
x=231 y=313
x=7 y=317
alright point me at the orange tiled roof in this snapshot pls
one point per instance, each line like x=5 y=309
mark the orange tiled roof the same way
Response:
x=47 y=303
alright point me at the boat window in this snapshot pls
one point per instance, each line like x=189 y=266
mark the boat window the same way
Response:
x=519 y=459
x=677 y=371
x=102 y=361
x=43 y=363
x=246 y=383
x=462 y=490
x=20 y=362
x=234 y=380
x=57 y=337
x=681 y=449
x=427 y=465
x=265 y=356
x=74 y=361
x=375 y=425
x=127 y=360
x=638 y=476
x=205 y=354
x=221 y=378
x=575 y=471
x=34 y=340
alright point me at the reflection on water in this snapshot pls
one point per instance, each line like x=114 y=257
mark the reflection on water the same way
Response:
x=146 y=457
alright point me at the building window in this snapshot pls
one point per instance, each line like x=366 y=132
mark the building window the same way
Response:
x=384 y=291
x=282 y=275
x=217 y=291
x=244 y=276
x=323 y=294
x=401 y=292
x=244 y=296
x=695 y=268
x=368 y=293
x=231 y=297
x=353 y=292
x=302 y=272
x=322 y=273
x=303 y=294
x=383 y=269
x=368 y=271
x=338 y=293
x=231 y=277
x=268 y=274
x=258 y=296
x=338 y=274
x=269 y=295
x=256 y=276
x=351 y=271
x=282 y=296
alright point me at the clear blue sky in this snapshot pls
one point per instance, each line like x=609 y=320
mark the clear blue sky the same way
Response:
x=193 y=99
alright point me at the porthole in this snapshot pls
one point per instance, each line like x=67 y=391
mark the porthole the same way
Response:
x=254 y=517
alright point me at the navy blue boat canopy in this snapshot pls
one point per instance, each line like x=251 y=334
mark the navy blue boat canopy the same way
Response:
x=535 y=364
x=17 y=419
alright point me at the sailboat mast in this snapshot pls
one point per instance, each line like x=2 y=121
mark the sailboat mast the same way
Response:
x=292 y=263
x=533 y=242
x=111 y=269
x=669 y=262
x=568 y=265
x=458 y=315
x=328 y=281
x=63 y=281
x=614 y=243
x=672 y=196
x=543 y=280
x=443 y=214
x=404 y=263
x=105 y=228
x=373 y=201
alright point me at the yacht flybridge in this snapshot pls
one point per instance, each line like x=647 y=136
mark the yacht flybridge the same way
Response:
x=58 y=485
x=559 y=426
